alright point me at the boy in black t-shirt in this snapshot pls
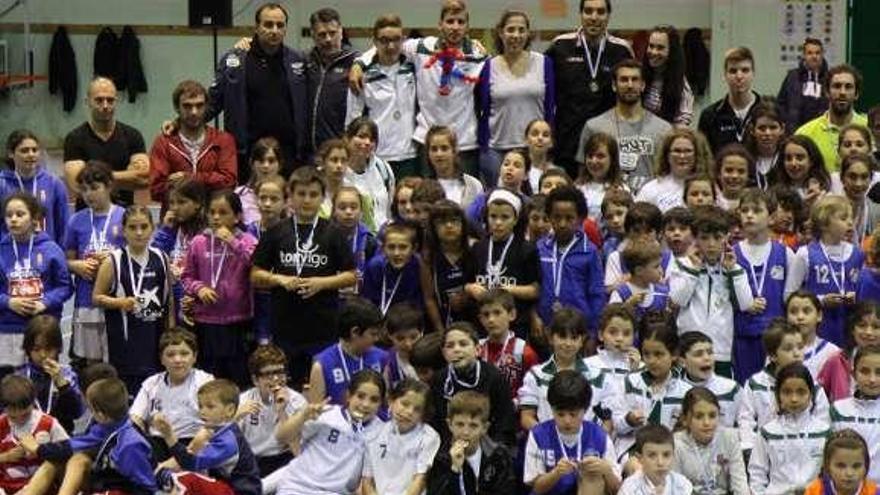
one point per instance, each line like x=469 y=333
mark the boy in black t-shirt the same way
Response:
x=305 y=261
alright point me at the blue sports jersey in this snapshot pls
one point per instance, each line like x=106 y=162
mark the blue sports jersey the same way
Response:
x=89 y=234
x=770 y=277
x=659 y=294
x=386 y=286
x=825 y=276
x=591 y=443
x=338 y=368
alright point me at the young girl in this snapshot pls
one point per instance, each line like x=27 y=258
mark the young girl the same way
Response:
x=371 y=175
x=618 y=356
x=804 y=310
x=667 y=93
x=347 y=214
x=512 y=175
x=25 y=174
x=831 y=263
x=863 y=330
x=402 y=207
x=698 y=360
x=734 y=166
x=333 y=157
x=272 y=200
x=707 y=453
x=803 y=168
x=854 y=139
x=446 y=265
x=764 y=142
x=91 y=235
x=855 y=175
x=535 y=212
x=504 y=259
x=442 y=148
x=133 y=286
x=788 y=450
x=403 y=449
x=333 y=440
x=860 y=411
x=601 y=171
x=699 y=190
x=33 y=276
x=682 y=154
x=539 y=140
x=265 y=162
x=845 y=461
x=217 y=277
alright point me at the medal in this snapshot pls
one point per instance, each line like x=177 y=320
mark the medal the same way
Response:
x=396 y=115
x=494 y=270
x=557 y=306
x=593 y=67
x=302 y=249
x=594 y=87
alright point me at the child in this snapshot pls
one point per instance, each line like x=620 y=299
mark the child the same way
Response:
x=682 y=153
x=33 y=276
x=734 y=166
x=504 y=259
x=643 y=223
x=332 y=159
x=266 y=162
x=513 y=169
x=360 y=323
x=724 y=469
x=404 y=323
x=427 y=357
x=474 y=463
x=447 y=262
x=644 y=290
x=26 y=175
x=768 y=265
x=862 y=329
x=111 y=454
x=788 y=452
x=539 y=140
x=424 y=197
x=804 y=310
x=90 y=236
x=860 y=411
x=677 y=234
x=371 y=175
x=566 y=454
x=510 y=354
x=804 y=169
x=790 y=212
x=856 y=175
x=571 y=267
x=615 y=206
x=403 y=449
x=441 y=144
x=56 y=385
x=698 y=363
x=553 y=178
x=600 y=172
x=707 y=283
x=272 y=198
x=618 y=355
x=333 y=439
x=655 y=447
x=394 y=276
x=173 y=391
x=20 y=417
x=226 y=456
x=269 y=403
x=845 y=463
x=402 y=207
x=217 y=277
x=133 y=286
x=699 y=190
x=466 y=371
x=304 y=261
x=347 y=215
x=764 y=142
x=535 y=211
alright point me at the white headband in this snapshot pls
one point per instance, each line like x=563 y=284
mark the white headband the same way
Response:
x=501 y=194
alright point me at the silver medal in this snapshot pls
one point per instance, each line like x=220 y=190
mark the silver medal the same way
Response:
x=594 y=87
x=396 y=115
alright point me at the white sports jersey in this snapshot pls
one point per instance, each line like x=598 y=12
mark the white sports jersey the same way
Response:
x=863 y=416
x=817 y=354
x=259 y=429
x=393 y=458
x=178 y=404
x=533 y=392
x=728 y=392
x=787 y=454
x=639 y=484
x=614 y=365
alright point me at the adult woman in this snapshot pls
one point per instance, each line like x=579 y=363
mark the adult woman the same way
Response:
x=683 y=153
x=515 y=88
x=667 y=93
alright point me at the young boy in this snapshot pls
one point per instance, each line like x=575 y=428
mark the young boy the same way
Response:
x=304 y=262
x=509 y=353
x=644 y=290
x=226 y=457
x=804 y=311
x=617 y=356
x=565 y=453
x=783 y=344
x=615 y=206
x=266 y=405
x=698 y=363
x=706 y=283
x=427 y=357
x=360 y=324
x=404 y=323
x=677 y=232
x=643 y=223
x=655 y=447
x=90 y=235
x=473 y=464
x=767 y=265
x=393 y=276
x=538 y=224
x=20 y=417
x=172 y=392
x=789 y=213
x=571 y=267
x=111 y=454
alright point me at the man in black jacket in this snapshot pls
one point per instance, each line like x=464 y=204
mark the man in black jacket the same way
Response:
x=727 y=120
x=801 y=98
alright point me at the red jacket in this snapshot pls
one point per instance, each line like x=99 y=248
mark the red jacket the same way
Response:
x=216 y=167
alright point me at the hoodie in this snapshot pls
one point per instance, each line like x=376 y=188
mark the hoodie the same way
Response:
x=49 y=191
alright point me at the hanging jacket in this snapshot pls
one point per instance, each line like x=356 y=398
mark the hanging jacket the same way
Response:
x=107 y=55
x=130 y=69
x=62 y=69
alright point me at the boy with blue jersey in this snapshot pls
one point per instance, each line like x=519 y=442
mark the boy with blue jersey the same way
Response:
x=359 y=327
x=644 y=290
x=566 y=452
x=393 y=276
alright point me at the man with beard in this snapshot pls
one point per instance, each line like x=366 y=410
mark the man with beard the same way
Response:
x=194 y=150
x=801 y=98
x=843 y=87
x=638 y=131
x=727 y=120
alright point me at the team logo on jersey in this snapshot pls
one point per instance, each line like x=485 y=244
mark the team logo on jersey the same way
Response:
x=854 y=275
x=497 y=279
x=305 y=257
x=777 y=272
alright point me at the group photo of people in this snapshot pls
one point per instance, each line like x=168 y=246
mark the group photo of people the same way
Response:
x=449 y=266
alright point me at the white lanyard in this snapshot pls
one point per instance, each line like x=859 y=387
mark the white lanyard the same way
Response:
x=594 y=68
x=27 y=261
x=215 y=275
x=96 y=240
x=136 y=288
x=449 y=387
x=181 y=243
x=346 y=373
x=841 y=283
x=504 y=347
x=707 y=476
x=33 y=184
x=759 y=286
x=579 y=444
x=559 y=264
x=51 y=393
x=493 y=270
x=302 y=250
x=386 y=299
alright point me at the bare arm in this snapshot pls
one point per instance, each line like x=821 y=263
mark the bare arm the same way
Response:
x=317 y=387
x=136 y=176
x=72 y=169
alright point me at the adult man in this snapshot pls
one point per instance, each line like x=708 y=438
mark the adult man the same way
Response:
x=843 y=86
x=638 y=131
x=194 y=150
x=328 y=66
x=263 y=92
x=801 y=97
x=103 y=138
x=582 y=62
x=726 y=121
